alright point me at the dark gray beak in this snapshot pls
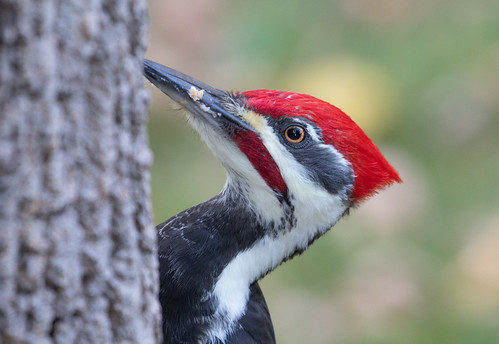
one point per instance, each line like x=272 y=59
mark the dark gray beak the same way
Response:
x=196 y=96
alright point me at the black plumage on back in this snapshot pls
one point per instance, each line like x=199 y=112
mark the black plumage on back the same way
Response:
x=194 y=247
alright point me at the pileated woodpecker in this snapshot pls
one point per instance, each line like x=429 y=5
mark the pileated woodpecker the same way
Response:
x=295 y=165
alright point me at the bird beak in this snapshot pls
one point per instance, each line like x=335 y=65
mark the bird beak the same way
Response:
x=196 y=96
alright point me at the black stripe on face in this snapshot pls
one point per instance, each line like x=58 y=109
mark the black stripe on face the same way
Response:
x=323 y=162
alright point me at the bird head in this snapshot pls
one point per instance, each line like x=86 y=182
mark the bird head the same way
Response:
x=287 y=143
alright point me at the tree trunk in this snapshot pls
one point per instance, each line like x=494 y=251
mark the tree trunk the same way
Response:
x=77 y=245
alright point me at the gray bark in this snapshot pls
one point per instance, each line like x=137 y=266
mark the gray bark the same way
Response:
x=77 y=245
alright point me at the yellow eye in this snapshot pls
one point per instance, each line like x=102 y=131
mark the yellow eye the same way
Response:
x=294 y=134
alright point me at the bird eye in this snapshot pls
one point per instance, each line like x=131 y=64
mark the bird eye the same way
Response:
x=294 y=134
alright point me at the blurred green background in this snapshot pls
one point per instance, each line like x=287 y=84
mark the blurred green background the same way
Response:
x=419 y=263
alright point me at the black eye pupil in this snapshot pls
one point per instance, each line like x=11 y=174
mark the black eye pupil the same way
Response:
x=294 y=133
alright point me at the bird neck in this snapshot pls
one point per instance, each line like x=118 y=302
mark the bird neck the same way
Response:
x=287 y=225
x=210 y=254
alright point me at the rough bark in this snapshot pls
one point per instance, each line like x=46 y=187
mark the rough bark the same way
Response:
x=77 y=245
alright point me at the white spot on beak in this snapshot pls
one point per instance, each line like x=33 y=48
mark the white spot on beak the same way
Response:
x=196 y=94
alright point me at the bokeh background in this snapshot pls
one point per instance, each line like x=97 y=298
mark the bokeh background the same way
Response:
x=419 y=263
